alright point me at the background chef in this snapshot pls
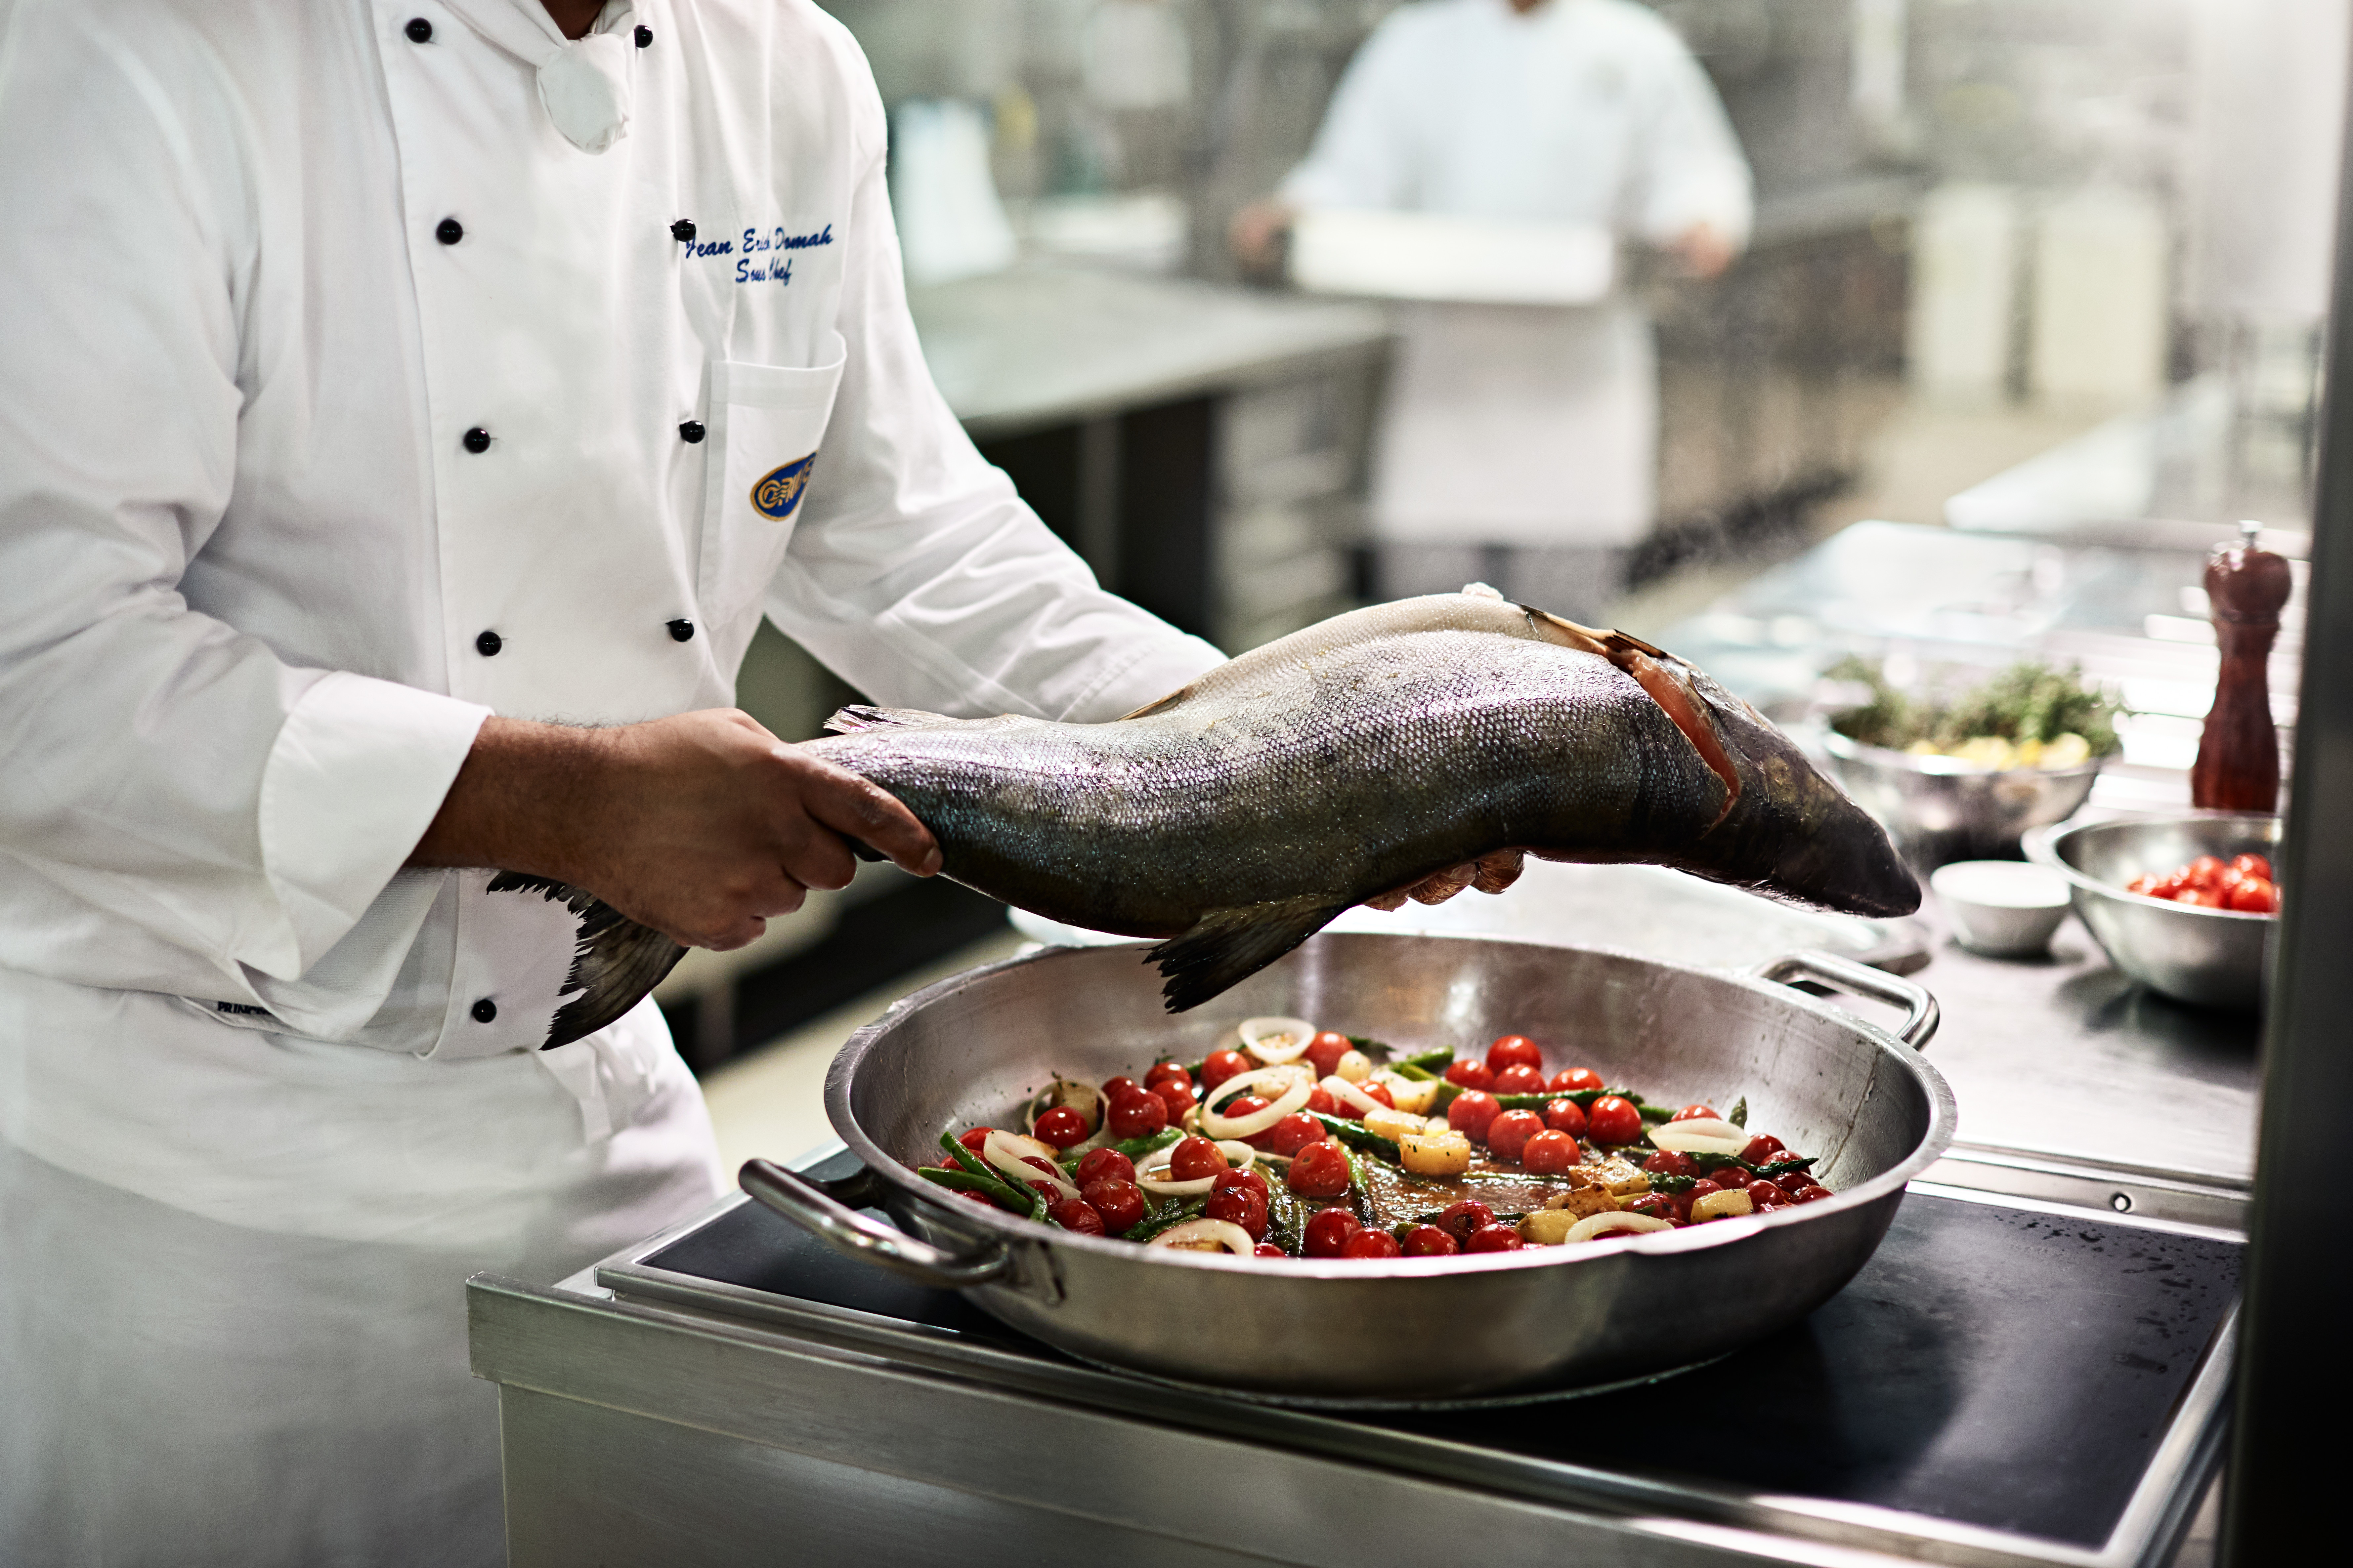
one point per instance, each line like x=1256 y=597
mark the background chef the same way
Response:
x=1519 y=444
x=376 y=382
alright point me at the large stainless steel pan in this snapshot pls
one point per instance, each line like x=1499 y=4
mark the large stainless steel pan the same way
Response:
x=973 y=1049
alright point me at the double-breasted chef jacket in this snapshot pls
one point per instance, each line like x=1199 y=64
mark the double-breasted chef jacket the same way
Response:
x=368 y=367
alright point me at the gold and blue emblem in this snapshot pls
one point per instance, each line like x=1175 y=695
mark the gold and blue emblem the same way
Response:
x=778 y=491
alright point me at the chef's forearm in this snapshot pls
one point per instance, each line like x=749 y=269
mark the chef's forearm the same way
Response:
x=522 y=799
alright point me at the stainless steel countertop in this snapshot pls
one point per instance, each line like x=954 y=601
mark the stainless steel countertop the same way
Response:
x=1045 y=344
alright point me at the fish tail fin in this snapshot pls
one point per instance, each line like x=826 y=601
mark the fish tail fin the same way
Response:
x=860 y=716
x=1226 y=947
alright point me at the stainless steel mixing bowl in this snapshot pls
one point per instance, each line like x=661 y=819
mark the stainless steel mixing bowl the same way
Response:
x=2215 y=958
x=972 y=1050
x=1941 y=809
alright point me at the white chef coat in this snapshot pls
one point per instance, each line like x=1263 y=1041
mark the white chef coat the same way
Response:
x=1525 y=425
x=350 y=383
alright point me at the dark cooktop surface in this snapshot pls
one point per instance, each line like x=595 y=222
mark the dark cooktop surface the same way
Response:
x=1991 y=1366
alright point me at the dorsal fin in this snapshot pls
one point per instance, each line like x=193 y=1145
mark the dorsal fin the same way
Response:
x=860 y=716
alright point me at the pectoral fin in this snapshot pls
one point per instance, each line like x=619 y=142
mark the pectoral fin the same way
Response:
x=1226 y=947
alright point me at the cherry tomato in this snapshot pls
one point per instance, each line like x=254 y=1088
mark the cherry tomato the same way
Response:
x=1520 y=1078
x=2146 y=886
x=1761 y=1149
x=2253 y=866
x=1379 y=1093
x=1810 y=1195
x=1319 y=1171
x=1658 y=1205
x=1075 y=1213
x=1320 y=1101
x=1492 y=1238
x=1061 y=1127
x=1325 y=1050
x=1119 y=1201
x=2206 y=871
x=2253 y=896
x=1575 y=1080
x=1508 y=1134
x=1693 y=1112
x=1114 y=1089
x=1242 y=1105
x=1461 y=1219
x=1171 y=1068
x=1612 y=1118
x=1268 y=1249
x=1250 y=1178
x=2198 y=898
x=1471 y=1074
x=1328 y=1231
x=1514 y=1051
x=1137 y=1115
x=1672 y=1162
x=1549 y=1154
x=1372 y=1244
x=1730 y=1176
x=977 y=1197
x=1429 y=1241
x=1177 y=1097
x=1195 y=1158
x=1692 y=1193
x=1239 y=1205
x=1472 y=1113
x=1221 y=1065
x=974 y=1138
x=1565 y=1116
x=1291 y=1134
x=1764 y=1195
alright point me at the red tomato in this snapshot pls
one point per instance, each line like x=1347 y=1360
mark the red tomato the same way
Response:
x=1114 y=1088
x=1429 y=1241
x=2166 y=886
x=1565 y=1116
x=1549 y=1153
x=1119 y=1201
x=1221 y=1065
x=1328 y=1231
x=1575 y=1080
x=1172 y=1068
x=974 y=1138
x=1764 y=1195
x=1195 y=1158
x=2144 y=886
x=1137 y=1115
x=1514 y=1051
x=1319 y=1171
x=1612 y=1118
x=1472 y=1113
x=977 y=1197
x=1658 y=1205
x=1325 y=1050
x=1672 y=1162
x=1075 y=1213
x=2206 y=871
x=1250 y=1178
x=2253 y=866
x=1471 y=1074
x=2198 y=898
x=1729 y=1177
x=1492 y=1238
x=1176 y=1096
x=1241 y=1204
x=1061 y=1127
x=1320 y=1101
x=1810 y=1195
x=1291 y=1134
x=1762 y=1149
x=1692 y=1194
x=1268 y=1249
x=2253 y=896
x=1508 y=1134
x=1520 y=1078
x=1461 y=1219
x=1372 y=1244
x=1693 y=1112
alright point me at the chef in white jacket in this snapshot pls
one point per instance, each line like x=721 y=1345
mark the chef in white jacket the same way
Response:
x=1521 y=443
x=387 y=389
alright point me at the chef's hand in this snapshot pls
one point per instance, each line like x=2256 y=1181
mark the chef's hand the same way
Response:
x=1703 y=251
x=701 y=826
x=1489 y=874
x=1257 y=231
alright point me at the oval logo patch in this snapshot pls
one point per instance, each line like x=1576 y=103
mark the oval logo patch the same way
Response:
x=777 y=491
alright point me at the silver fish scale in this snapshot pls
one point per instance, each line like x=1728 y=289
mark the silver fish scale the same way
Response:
x=1340 y=773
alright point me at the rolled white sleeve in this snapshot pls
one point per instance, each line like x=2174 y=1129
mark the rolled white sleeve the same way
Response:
x=183 y=810
x=918 y=574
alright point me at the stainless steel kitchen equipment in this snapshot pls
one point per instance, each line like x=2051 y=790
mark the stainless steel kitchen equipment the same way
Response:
x=2215 y=958
x=972 y=1050
x=1941 y=809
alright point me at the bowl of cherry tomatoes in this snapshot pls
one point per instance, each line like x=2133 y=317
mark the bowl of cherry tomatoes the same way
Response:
x=2187 y=905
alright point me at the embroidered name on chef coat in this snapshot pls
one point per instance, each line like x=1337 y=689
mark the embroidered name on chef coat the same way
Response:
x=779 y=489
x=761 y=256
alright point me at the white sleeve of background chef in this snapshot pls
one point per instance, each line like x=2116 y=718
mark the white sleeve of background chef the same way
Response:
x=1363 y=155
x=918 y=574
x=1690 y=169
x=180 y=809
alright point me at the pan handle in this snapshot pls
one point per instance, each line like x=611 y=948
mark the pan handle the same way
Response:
x=809 y=1205
x=1921 y=1015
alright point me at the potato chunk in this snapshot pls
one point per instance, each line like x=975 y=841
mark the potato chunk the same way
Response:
x=1548 y=1226
x=1435 y=1154
x=1414 y=1095
x=1582 y=1202
x=1722 y=1205
x=1622 y=1177
x=1394 y=1125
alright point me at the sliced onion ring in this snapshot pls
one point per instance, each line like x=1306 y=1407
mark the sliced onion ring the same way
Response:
x=1224 y=1232
x=1699 y=1135
x=1238 y=1155
x=1255 y=1031
x=1595 y=1225
x=1006 y=1152
x=1149 y=1176
x=1298 y=1085
x=1348 y=1094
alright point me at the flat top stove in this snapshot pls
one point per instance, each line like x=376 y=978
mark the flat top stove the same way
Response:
x=2022 y=1383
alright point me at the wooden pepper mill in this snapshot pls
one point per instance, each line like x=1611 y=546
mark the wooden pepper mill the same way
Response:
x=2238 y=755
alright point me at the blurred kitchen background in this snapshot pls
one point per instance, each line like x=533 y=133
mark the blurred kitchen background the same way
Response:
x=2046 y=273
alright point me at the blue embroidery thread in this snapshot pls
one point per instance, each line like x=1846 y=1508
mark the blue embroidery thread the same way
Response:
x=777 y=491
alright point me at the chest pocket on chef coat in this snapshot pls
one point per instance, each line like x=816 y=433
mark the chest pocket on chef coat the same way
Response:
x=767 y=424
